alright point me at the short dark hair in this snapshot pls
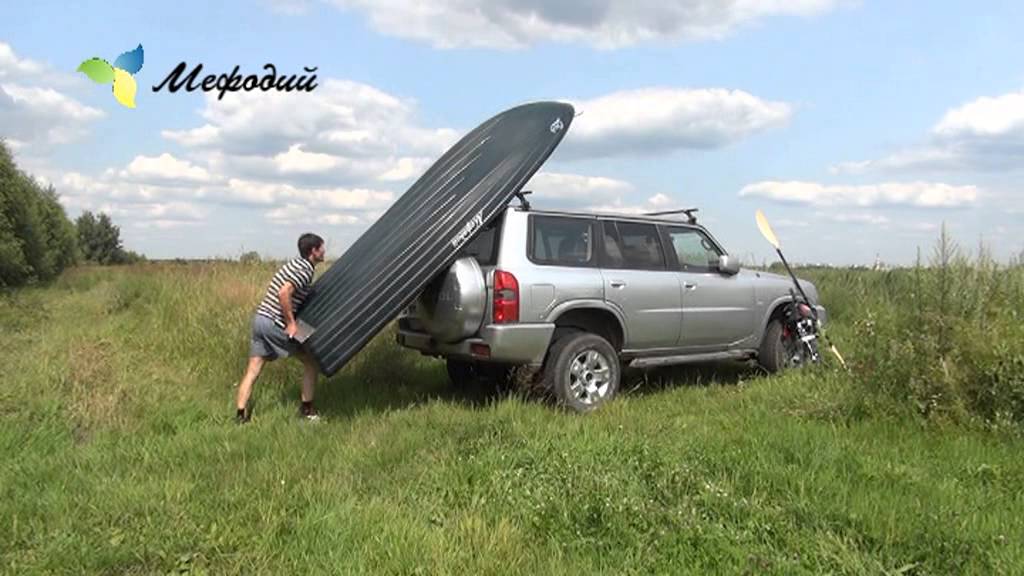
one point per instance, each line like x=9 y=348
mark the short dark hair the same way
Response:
x=309 y=242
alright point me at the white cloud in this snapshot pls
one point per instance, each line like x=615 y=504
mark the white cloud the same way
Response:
x=166 y=215
x=629 y=205
x=986 y=134
x=562 y=186
x=13 y=66
x=340 y=117
x=854 y=217
x=343 y=133
x=176 y=211
x=295 y=160
x=33 y=115
x=252 y=192
x=77 y=189
x=32 y=112
x=916 y=194
x=602 y=23
x=164 y=224
x=269 y=193
x=659 y=200
x=136 y=211
x=304 y=213
x=985 y=117
x=289 y=213
x=206 y=135
x=164 y=168
x=664 y=119
x=593 y=193
x=349 y=133
x=339 y=219
x=406 y=169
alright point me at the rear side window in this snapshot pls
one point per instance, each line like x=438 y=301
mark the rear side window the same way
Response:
x=632 y=245
x=561 y=241
x=484 y=246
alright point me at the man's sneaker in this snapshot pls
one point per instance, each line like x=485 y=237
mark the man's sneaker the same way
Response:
x=308 y=413
x=242 y=417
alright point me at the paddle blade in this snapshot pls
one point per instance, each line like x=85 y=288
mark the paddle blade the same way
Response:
x=766 y=230
x=839 y=356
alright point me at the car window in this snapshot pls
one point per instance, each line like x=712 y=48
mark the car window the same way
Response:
x=561 y=241
x=694 y=250
x=632 y=245
x=482 y=247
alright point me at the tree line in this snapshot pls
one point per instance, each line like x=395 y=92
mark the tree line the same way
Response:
x=38 y=241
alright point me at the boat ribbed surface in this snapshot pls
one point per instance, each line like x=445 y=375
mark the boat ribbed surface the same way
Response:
x=422 y=232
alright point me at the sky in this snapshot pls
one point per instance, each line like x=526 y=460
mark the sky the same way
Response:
x=859 y=127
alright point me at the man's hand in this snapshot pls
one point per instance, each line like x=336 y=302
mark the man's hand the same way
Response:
x=291 y=329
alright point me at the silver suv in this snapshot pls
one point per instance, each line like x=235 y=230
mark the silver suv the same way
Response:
x=581 y=295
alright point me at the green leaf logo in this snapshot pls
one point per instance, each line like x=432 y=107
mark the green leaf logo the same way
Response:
x=98 y=70
x=120 y=75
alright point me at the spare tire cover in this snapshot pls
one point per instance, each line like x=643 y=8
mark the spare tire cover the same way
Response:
x=452 y=307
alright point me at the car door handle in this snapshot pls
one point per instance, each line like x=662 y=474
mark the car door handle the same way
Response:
x=689 y=286
x=617 y=283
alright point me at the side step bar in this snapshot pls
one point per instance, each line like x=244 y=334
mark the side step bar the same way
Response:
x=653 y=361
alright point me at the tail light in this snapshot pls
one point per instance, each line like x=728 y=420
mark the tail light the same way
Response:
x=506 y=298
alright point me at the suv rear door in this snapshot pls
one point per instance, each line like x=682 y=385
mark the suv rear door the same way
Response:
x=561 y=249
x=638 y=281
x=718 y=309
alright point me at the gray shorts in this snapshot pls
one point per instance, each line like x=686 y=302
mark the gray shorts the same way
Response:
x=269 y=340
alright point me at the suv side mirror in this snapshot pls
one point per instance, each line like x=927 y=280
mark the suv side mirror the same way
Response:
x=728 y=265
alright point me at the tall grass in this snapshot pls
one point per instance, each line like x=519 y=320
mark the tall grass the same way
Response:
x=120 y=457
x=944 y=338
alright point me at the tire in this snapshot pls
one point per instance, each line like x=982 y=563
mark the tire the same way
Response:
x=582 y=370
x=452 y=307
x=778 y=348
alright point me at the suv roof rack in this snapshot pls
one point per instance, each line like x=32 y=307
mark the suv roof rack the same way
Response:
x=688 y=211
x=523 y=202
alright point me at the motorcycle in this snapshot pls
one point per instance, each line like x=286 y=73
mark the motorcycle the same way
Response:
x=801 y=327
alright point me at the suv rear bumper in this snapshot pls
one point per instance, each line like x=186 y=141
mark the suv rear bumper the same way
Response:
x=506 y=344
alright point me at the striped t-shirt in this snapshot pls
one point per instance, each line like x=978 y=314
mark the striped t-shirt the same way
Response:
x=299 y=272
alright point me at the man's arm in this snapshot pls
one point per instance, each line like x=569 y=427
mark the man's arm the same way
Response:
x=284 y=297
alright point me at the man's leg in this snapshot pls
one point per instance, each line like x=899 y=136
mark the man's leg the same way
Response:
x=252 y=372
x=309 y=374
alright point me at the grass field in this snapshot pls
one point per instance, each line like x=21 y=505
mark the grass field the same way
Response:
x=120 y=455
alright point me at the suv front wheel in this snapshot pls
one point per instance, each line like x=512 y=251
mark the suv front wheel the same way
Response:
x=780 y=349
x=582 y=369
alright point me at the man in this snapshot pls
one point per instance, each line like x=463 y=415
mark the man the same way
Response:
x=274 y=326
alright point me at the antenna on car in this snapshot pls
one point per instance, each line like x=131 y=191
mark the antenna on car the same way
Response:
x=691 y=219
x=523 y=202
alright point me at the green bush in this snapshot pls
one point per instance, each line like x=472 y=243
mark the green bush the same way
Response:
x=100 y=240
x=251 y=257
x=37 y=241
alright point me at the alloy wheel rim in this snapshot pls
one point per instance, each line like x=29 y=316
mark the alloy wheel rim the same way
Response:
x=590 y=377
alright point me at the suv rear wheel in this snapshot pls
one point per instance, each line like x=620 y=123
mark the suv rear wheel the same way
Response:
x=582 y=370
